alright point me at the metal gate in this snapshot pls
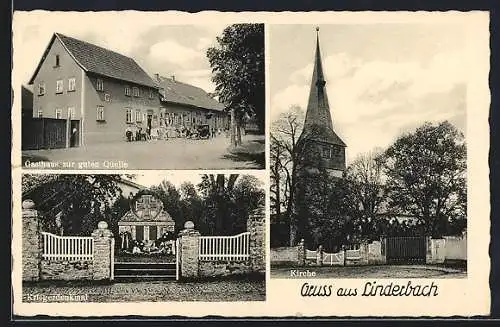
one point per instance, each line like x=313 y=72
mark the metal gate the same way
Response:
x=406 y=250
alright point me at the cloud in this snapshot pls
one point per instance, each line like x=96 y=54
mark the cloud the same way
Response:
x=173 y=52
x=379 y=99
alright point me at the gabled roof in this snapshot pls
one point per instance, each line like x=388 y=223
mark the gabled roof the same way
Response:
x=318 y=123
x=94 y=59
x=182 y=93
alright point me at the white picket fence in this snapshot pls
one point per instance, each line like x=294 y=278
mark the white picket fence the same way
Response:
x=225 y=248
x=67 y=248
x=333 y=258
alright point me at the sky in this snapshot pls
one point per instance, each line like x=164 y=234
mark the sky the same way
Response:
x=382 y=79
x=156 y=46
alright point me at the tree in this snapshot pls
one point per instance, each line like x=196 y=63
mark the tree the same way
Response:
x=217 y=191
x=426 y=173
x=69 y=203
x=238 y=72
x=285 y=132
x=365 y=185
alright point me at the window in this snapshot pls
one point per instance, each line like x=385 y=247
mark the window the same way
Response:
x=138 y=115
x=135 y=90
x=71 y=84
x=151 y=94
x=128 y=116
x=41 y=88
x=100 y=113
x=40 y=113
x=71 y=112
x=107 y=97
x=58 y=113
x=57 y=61
x=127 y=90
x=59 y=86
x=144 y=116
x=100 y=85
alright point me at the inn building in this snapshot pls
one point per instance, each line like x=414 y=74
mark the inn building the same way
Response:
x=84 y=94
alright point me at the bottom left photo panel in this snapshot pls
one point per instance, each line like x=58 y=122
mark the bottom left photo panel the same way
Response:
x=149 y=237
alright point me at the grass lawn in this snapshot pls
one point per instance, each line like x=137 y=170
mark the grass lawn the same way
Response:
x=383 y=271
x=227 y=290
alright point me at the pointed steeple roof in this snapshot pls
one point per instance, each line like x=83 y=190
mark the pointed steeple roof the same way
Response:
x=318 y=123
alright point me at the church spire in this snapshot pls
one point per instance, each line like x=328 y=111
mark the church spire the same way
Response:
x=318 y=109
x=318 y=118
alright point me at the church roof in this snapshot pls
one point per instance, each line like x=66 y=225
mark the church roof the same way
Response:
x=318 y=124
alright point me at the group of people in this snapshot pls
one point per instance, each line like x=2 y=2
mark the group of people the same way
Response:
x=137 y=133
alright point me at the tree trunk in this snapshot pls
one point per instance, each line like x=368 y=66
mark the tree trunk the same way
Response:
x=233 y=128
x=238 y=132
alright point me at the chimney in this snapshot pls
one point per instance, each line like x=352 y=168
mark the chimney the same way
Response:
x=157 y=76
x=173 y=78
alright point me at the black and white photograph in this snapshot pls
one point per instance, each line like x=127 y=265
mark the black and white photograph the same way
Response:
x=139 y=93
x=143 y=238
x=368 y=151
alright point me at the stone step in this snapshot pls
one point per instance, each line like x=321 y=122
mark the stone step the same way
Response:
x=148 y=270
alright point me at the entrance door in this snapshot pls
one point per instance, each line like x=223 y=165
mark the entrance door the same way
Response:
x=139 y=233
x=406 y=250
x=74 y=132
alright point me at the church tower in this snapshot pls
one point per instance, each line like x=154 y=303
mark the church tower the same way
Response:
x=320 y=147
x=319 y=151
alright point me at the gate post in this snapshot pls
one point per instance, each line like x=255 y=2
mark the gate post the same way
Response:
x=189 y=251
x=319 y=255
x=31 y=242
x=301 y=255
x=103 y=264
x=257 y=228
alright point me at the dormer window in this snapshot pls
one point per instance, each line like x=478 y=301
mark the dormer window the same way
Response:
x=127 y=90
x=57 y=61
x=100 y=85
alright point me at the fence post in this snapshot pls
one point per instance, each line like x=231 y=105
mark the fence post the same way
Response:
x=189 y=251
x=319 y=255
x=301 y=255
x=256 y=227
x=102 y=265
x=31 y=242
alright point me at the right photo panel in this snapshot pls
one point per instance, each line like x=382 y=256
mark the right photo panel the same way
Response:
x=368 y=156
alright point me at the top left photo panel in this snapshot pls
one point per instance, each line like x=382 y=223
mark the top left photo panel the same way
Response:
x=130 y=90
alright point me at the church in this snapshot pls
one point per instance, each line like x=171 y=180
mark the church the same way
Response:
x=319 y=149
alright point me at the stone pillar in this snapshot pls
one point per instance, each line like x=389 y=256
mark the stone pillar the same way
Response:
x=103 y=246
x=256 y=225
x=189 y=251
x=301 y=255
x=364 y=253
x=319 y=255
x=31 y=242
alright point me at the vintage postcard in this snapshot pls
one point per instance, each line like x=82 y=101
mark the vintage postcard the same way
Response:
x=307 y=164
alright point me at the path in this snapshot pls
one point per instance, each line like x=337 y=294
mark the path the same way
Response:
x=175 y=153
